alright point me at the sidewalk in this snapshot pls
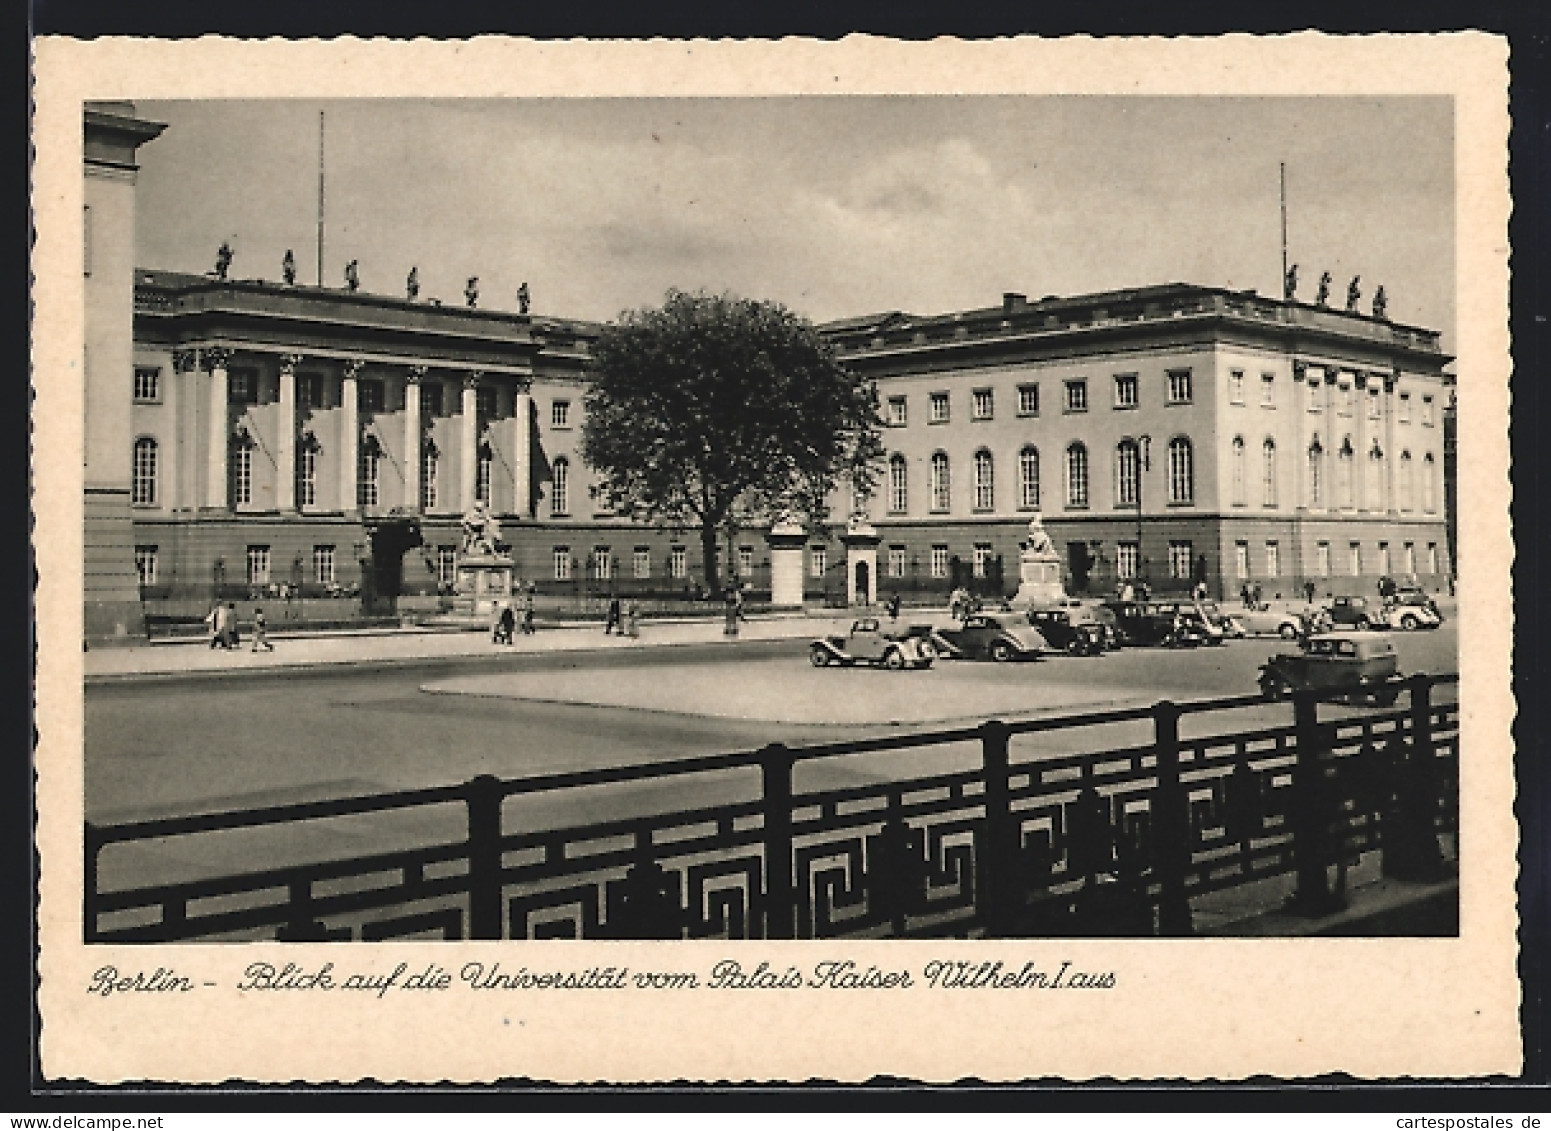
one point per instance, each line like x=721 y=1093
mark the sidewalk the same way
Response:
x=387 y=647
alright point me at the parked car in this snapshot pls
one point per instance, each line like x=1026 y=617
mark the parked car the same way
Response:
x=1414 y=597
x=867 y=643
x=1071 y=629
x=1362 y=664
x=1171 y=624
x=1286 y=623
x=1353 y=612
x=990 y=636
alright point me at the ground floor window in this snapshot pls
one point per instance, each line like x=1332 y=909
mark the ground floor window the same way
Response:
x=258 y=565
x=1410 y=557
x=446 y=566
x=818 y=561
x=745 y=561
x=1273 y=559
x=939 y=561
x=1241 y=560
x=145 y=564
x=896 y=561
x=1128 y=560
x=561 y=556
x=602 y=563
x=1322 y=559
x=323 y=565
x=641 y=562
x=1432 y=557
x=678 y=562
x=1354 y=558
x=982 y=559
x=1181 y=558
x=1384 y=562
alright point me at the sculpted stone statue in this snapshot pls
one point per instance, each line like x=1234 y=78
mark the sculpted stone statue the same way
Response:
x=471 y=291
x=352 y=276
x=481 y=532
x=1380 y=302
x=288 y=268
x=1353 y=294
x=1290 y=284
x=412 y=284
x=223 y=260
x=1039 y=544
x=1323 y=297
x=522 y=299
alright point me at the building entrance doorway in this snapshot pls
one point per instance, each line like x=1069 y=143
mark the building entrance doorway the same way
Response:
x=382 y=574
x=863 y=584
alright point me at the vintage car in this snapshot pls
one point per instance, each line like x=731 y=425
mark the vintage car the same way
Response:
x=1353 y=612
x=1001 y=637
x=1411 y=611
x=867 y=643
x=1172 y=624
x=1286 y=623
x=1072 y=629
x=1362 y=664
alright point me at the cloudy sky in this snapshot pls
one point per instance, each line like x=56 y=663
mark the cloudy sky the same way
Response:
x=834 y=206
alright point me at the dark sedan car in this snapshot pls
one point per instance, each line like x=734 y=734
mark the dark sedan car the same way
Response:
x=1074 y=631
x=989 y=636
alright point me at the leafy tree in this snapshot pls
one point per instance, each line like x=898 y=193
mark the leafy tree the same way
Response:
x=715 y=410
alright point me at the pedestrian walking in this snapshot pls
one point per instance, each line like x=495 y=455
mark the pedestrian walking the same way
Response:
x=213 y=623
x=261 y=632
x=505 y=623
x=1308 y=592
x=527 y=610
x=893 y=606
x=1254 y=596
x=1244 y=596
x=630 y=623
x=611 y=621
x=230 y=637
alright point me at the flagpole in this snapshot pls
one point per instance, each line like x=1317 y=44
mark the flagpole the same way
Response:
x=320 y=198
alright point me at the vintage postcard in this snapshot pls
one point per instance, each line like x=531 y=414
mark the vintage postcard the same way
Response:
x=774 y=561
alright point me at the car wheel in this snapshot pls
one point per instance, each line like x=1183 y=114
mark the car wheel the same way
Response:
x=818 y=657
x=894 y=659
x=1001 y=652
x=1288 y=632
x=1272 y=687
x=1361 y=624
x=1075 y=646
x=928 y=652
x=1408 y=622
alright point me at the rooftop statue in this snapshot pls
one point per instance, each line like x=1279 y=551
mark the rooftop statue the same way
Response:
x=522 y=299
x=352 y=276
x=412 y=284
x=1353 y=295
x=223 y=260
x=471 y=291
x=288 y=268
x=1290 y=284
x=1380 y=302
x=1323 y=297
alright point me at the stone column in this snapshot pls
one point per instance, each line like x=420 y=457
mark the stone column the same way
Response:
x=183 y=490
x=349 y=435
x=787 y=539
x=215 y=462
x=468 y=441
x=285 y=436
x=412 y=443
x=522 y=456
x=1391 y=456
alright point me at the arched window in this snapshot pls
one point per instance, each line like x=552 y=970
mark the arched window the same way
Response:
x=482 y=473
x=142 y=491
x=1316 y=473
x=368 y=461
x=1238 y=471
x=899 y=484
x=1429 y=485
x=1182 y=475
x=1268 y=472
x=307 y=472
x=1344 y=473
x=1407 y=483
x=1128 y=467
x=941 y=483
x=1028 y=478
x=241 y=465
x=430 y=466
x=560 y=487
x=1077 y=476
x=985 y=481
x=1373 y=480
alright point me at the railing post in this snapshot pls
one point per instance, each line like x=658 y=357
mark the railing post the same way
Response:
x=93 y=847
x=483 y=797
x=1171 y=825
x=1313 y=896
x=999 y=893
x=775 y=764
x=1410 y=835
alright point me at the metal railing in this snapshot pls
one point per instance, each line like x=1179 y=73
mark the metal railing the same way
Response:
x=1116 y=841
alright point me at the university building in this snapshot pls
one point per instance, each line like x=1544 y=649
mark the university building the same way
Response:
x=253 y=435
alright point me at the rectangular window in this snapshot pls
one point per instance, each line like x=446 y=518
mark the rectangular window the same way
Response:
x=147 y=384
x=1344 y=398
x=983 y=404
x=561 y=558
x=1180 y=389
x=1384 y=562
x=982 y=559
x=323 y=564
x=939 y=561
x=1180 y=559
x=1128 y=560
x=1354 y=558
x=1127 y=390
x=641 y=562
x=1322 y=559
x=1273 y=560
x=818 y=561
x=1409 y=558
x=1241 y=560
x=1268 y=390
x=1373 y=404
x=242 y=386
x=939 y=408
x=1427 y=412
x=896 y=561
x=1028 y=400
x=678 y=562
x=1404 y=412
x=258 y=565
x=899 y=414
x=1236 y=386
x=1314 y=394
x=560 y=414
x=145 y=564
x=745 y=561
x=373 y=397
x=1077 y=396
x=309 y=391
x=446 y=566
x=1432 y=557
x=602 y=563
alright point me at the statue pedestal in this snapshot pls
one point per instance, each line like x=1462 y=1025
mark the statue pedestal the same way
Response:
x=1039 y=582
x=484 y=581
x=786 y=542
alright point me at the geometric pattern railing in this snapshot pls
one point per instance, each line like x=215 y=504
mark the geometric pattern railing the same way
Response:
x=1114 y=842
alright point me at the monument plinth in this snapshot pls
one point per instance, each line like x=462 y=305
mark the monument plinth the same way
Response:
x=483 y=580
x=1039 y=569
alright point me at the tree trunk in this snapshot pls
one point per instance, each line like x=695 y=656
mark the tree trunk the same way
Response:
x=708 y=549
